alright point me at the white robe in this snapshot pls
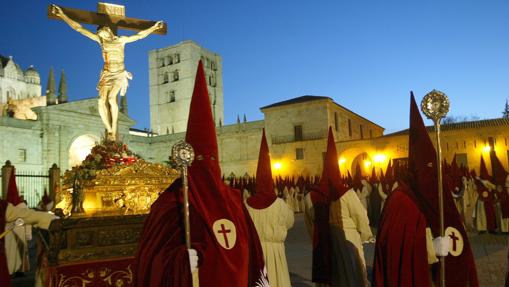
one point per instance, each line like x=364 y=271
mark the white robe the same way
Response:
x=272 y=224
x=16 y=241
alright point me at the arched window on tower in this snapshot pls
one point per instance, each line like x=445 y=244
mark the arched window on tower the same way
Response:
x=165 y=78
x=175 y=75
x=176 y=58
x=169 y=60
x=212 y=80
x=171 y=96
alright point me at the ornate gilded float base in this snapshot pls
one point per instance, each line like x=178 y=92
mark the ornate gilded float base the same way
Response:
x=121 y=189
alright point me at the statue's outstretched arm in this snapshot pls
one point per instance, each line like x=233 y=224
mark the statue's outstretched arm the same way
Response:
x=142 y=34
x=75 y=25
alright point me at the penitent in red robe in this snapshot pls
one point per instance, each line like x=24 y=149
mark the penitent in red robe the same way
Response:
x=401 y=257
x=163 y=259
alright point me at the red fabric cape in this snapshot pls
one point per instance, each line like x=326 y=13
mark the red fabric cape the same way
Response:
x=400 y=250
x=162 y=258
x=5 y=278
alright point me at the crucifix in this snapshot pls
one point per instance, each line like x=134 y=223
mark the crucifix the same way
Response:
x=114 y=78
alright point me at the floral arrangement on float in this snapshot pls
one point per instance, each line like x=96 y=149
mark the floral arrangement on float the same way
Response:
x=105 y=155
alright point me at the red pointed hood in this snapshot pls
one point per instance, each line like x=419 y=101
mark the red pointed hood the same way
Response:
x=373 y=179
x=201 y=132
x=422 y=164
x=12 y=190
x=357 y=177
x=483 y=173
x=499 y=172
x=331 y=186
x=265 y=194
x=349 y=179
x=45 y=198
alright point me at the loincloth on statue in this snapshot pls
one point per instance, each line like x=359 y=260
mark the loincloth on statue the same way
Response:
x=110 y=79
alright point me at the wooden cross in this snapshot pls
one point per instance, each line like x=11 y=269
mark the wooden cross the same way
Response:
x=110 y=15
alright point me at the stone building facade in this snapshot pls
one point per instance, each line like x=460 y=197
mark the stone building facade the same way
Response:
x=172 y=71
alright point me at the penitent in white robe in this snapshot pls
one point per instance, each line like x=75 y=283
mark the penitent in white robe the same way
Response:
x=15 y=242
x=272 y=224
x=349 y=224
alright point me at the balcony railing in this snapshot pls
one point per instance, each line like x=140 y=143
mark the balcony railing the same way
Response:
x=305 y=137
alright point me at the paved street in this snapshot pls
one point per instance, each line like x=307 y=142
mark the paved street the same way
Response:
x=490 y=252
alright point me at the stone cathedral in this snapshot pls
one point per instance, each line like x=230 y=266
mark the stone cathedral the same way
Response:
x=38 y=130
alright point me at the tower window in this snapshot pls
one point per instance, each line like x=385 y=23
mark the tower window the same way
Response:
x=212 y=80
x=361 y=131
x=165 y=78
x=171 y=96
x=176 y=58
x=169 y=60
x=175 y=75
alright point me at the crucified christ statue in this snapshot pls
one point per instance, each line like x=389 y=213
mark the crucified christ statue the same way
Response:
x=114 y=78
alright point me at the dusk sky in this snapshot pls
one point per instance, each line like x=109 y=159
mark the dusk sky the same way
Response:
x=366 y=55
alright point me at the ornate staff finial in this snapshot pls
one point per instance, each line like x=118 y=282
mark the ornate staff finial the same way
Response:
x=435 y=105
x=182 y=155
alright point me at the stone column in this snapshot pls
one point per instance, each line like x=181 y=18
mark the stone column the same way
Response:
x=6 y=175
x=54 y=181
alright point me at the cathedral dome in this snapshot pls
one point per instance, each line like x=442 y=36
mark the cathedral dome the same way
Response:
x=32 y=76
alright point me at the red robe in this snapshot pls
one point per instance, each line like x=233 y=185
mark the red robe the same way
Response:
x=400 y=253
x=5 y=278
x=163 y=260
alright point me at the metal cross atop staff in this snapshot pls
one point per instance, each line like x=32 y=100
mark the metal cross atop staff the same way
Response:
x=435 y=105
x=114 y=78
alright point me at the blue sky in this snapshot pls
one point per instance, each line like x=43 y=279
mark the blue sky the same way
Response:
x=366 y=55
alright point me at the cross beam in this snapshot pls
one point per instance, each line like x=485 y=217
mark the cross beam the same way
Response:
x=110 y=20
